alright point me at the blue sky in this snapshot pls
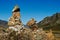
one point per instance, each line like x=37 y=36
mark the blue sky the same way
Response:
x=37 y=9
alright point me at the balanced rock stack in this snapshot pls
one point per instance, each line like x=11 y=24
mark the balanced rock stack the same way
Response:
x=14 y=21
x=32 y=24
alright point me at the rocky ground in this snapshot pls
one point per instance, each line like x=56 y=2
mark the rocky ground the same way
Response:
x=26 y=34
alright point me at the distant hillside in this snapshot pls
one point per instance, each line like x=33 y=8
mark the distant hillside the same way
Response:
x=51 y=22
x=3 y=23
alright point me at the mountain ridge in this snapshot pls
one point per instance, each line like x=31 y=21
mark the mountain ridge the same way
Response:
x=50 y=22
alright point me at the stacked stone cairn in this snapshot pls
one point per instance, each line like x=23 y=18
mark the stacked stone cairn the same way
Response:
x=14 y=21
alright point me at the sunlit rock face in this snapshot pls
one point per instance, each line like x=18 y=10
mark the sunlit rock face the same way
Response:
x=15 y=28
x=18 y=27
